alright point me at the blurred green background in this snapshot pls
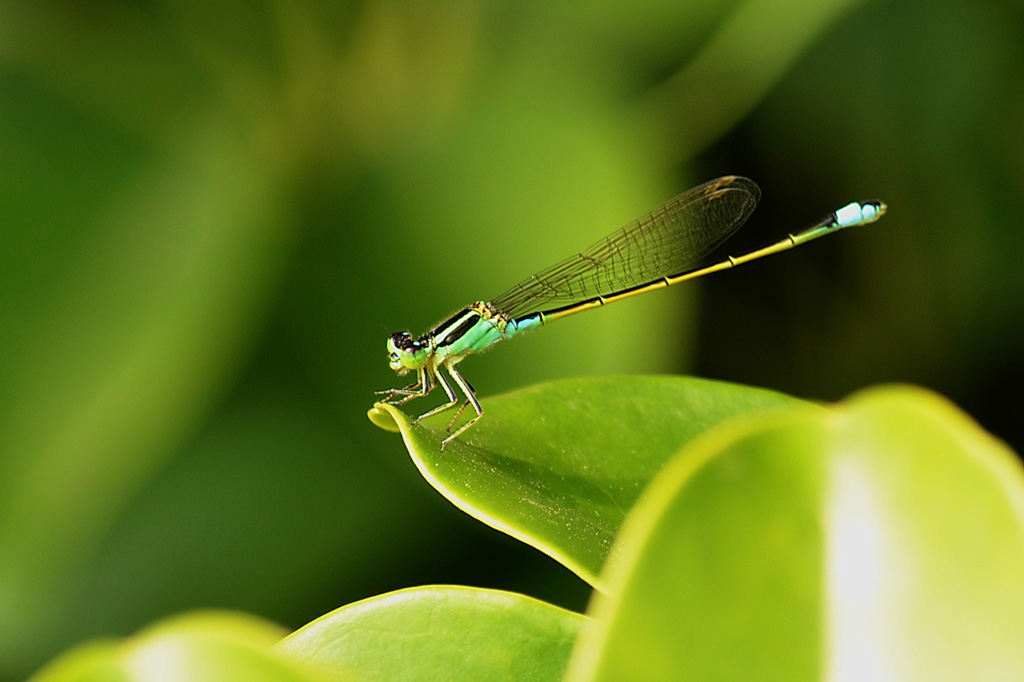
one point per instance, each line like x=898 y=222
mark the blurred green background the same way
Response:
x=213 y=213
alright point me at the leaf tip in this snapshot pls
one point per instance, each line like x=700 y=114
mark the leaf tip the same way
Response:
x=384 y=417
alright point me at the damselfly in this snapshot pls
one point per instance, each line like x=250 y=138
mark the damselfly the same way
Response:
x=662 y=248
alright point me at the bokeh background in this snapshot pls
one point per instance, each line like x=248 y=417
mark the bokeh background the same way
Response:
x=212 y=213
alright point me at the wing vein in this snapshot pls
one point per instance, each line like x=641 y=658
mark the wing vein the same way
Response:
x=668 y=241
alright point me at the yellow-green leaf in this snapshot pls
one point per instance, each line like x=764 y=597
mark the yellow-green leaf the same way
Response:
x=881 y=541
x=441 y=633
x=559 y=465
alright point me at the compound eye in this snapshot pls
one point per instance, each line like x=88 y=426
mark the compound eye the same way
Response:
x=400 y=338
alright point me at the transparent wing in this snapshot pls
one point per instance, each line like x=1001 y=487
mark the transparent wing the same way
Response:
x=670 y=240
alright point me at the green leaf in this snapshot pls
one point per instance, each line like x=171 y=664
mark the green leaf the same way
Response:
x=198 y=647
x=441 y=632
x=559 y=465
x=883 y=540
x=90 y=662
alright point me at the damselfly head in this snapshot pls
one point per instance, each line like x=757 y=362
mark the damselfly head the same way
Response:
x=405 y=352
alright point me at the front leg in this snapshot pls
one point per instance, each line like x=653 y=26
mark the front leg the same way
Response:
x=420 y=388
x=426 y=387
x=414 y=387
